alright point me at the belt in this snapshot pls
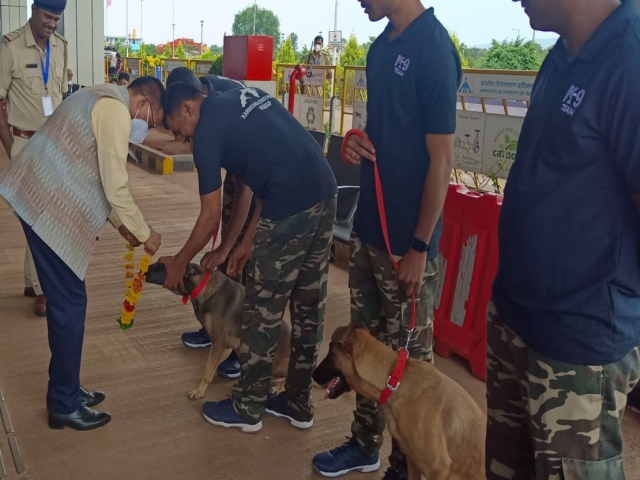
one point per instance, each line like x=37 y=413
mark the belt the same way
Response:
x=22 y=134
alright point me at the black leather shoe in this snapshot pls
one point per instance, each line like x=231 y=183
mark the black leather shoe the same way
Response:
x=91 y=399
x=82 y=419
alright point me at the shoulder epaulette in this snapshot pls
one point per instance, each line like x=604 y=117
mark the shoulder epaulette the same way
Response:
x=10 y=37
x=60 y=37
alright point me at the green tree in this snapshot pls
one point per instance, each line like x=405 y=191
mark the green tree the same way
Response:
x=180 y=53
x=167 y=51
x=514 y=55
x=286 y=54
x=460 y=49
x=474 y=55
x=294 y=41
x=353 y=54
x=119 y=46
x=207 y=55
x=215 y=49
x=216 y=67
x=151 y=49
x=367 y=46
x=266 y=23
x=304 y=52
x=141 y=53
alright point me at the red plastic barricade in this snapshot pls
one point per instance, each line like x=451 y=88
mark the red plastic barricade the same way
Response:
x=468 y=264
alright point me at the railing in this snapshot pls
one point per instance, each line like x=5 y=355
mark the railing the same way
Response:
x=491 y=108
x=135 y=66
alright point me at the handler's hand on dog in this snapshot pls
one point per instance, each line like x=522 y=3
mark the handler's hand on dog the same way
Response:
x=128 y=236
x=212 y=260
x=153 y=243
x=411 y=271
x=359 y=148
x=239 y=259
x=175 y=273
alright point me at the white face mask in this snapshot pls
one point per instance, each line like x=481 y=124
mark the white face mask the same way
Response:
x=139 y=128
x=317 y=47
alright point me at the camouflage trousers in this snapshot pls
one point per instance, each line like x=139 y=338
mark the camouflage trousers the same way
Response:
x=549 y=420
x=228 y=198
x=378 y=302
x=290 y=262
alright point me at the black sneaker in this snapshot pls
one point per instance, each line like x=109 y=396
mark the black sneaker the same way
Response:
x=199 y=339
x=278 y=406
x=230 y=368
x=633 y=400
x=346 y=458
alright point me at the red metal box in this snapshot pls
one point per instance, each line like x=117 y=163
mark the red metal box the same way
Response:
x=248 y=57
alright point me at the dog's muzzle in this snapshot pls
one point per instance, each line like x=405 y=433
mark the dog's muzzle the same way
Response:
x=157 y=274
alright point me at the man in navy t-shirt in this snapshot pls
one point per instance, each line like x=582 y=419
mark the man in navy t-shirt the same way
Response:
x=231 y=197
x=413 y=75
x=252 y=136
x=564 y=326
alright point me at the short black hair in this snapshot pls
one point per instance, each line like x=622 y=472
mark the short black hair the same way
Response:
x=319 y=37
x=176 y=95
x=183 y=75
x=150 y=87
x=124 y=76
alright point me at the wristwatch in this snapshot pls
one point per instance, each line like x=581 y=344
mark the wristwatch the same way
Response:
x=420 y=246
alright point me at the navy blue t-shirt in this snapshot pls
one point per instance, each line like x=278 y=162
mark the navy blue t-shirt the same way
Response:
x=569 y=234
x=252 y=136
x=412 y=85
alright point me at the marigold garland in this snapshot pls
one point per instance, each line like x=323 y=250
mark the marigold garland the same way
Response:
x=134 y=286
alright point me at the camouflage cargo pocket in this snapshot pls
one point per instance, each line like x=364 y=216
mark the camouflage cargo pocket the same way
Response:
x=264 y=278
x=608 y=469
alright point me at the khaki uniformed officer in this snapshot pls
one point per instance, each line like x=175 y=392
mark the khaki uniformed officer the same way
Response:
x=316 y=57
x=33 y=71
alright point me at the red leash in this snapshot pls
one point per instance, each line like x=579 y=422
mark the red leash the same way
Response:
x=198 y=290
x=393 y=382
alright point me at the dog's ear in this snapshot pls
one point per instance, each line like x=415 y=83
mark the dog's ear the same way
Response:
x=342 y=337
x=193 y=270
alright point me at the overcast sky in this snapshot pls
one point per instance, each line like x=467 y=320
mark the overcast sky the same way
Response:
x=475 y=21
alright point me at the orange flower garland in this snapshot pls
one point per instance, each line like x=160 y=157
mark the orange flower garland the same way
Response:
x=132 y=295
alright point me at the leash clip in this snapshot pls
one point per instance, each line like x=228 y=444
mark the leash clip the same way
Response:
x=409 y=334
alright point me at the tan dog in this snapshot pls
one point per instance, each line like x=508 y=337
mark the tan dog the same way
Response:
x=437 y=425
x=219 y=309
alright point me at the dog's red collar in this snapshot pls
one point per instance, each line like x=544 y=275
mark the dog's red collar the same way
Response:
x=396 y=376
x=198 y=290
x=398 y=371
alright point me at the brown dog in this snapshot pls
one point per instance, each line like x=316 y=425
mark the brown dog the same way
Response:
x=437 y=425
x=219 y=309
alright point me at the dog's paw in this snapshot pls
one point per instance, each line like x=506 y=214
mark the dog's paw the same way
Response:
x=277 y=389
x=195 y=394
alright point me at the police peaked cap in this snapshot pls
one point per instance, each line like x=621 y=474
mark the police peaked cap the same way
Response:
x=54 y=6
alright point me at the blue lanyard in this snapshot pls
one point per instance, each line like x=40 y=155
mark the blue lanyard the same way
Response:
x=45 y=70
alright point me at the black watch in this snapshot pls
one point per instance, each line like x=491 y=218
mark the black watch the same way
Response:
x=420 y=246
